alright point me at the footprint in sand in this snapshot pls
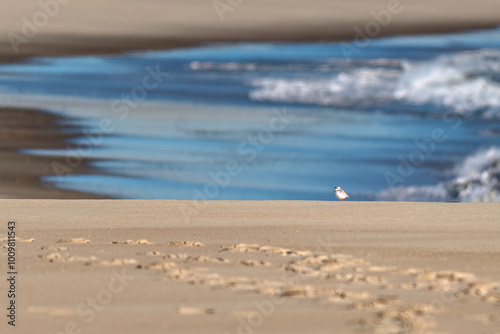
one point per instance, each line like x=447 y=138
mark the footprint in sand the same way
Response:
x=158 y=265
x=74 y=241
x=327 y=277
x=333 y=294
x=408 y=319
x=381 y=302
x=59 y=257
x=379 y=269
x=185 y=243
x=208 y=259
x=492 y=297
x=175 y=256
x=245 y=248
x=255 y=263
x=52 y=257
x=201 y=276
x=283 y=251
x=481 y=288
x=114 y=262
x=54 y=248
x=240 y=248
x=151 y=253
x=130 y=242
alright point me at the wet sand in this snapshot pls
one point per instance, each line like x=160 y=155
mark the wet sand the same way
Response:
x=20 y=173
x=267 y=267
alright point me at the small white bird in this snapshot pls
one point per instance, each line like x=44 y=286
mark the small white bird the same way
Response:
x=340 y=193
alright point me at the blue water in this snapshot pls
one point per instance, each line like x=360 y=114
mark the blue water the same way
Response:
x=404 y=118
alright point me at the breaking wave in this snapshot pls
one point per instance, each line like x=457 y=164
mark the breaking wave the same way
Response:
x=345 y=88
x=477 y=179
x=465 y=82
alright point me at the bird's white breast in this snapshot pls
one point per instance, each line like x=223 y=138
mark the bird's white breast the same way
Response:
x=340 y=194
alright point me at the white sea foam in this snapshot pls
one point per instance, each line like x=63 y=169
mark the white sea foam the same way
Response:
x=476 y=179
x=464 y=82
x=343 y=89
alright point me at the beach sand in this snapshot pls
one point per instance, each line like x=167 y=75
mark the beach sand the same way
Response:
x=254 y=267
x=87 y=266
x=111 y=26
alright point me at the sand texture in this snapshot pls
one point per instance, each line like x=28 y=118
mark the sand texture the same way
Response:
x=254 y=267
x=82 y=27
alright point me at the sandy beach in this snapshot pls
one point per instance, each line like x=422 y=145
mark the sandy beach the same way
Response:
x=71 y=27
x=116 y=266
x=254 y=267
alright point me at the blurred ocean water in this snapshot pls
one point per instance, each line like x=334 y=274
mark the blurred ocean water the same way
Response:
x=414 y=118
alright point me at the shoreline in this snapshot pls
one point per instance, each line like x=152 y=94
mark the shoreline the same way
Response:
x=27 y=182
x=21 y=173
x=109 y=46
x=77 y=30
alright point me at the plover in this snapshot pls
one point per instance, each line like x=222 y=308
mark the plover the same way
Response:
x=340 y=193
